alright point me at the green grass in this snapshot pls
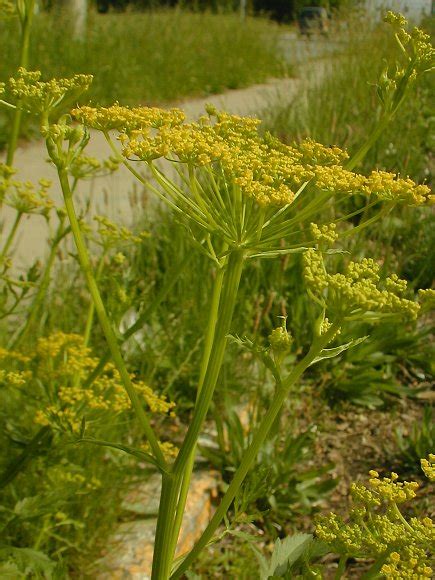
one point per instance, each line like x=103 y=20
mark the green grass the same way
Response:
x=151 y=57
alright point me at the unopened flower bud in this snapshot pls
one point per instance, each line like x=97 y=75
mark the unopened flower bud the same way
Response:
x=280 y=340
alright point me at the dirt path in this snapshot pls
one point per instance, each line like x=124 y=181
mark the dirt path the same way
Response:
x=118 y=196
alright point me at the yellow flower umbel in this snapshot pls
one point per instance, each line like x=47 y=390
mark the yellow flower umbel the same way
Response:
x=113 y=235
x=236 y=184
x=44 y=97
x=358 y=293
x=415 y=43
x=428 y=466
x=24 y=196
x=58 y=370
x=377 y=529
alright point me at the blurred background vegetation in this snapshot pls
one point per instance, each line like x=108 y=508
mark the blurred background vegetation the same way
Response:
x=148 y=58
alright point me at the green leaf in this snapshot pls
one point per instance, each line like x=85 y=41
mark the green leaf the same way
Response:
x=333 y=352
x=28 y=561
x=276 y=253
x=130 y=450
x=285 y=554
x=257 y=350
x=10 y=571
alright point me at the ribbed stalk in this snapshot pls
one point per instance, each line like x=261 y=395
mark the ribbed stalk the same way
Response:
x=91 y=310
x=208 y=346
x=169 y=519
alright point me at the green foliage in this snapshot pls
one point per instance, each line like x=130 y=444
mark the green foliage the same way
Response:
x=416 y=441
x=285 y=553
x=371 y=375
x=285 y=479
x=24 y=563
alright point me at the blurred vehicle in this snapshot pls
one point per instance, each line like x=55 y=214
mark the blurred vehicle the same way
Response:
x=313 y=20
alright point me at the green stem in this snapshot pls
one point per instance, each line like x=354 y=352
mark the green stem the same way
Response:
x=368 y=144
x=208 y=345
x=252 y=451
x=105 y=323
x=91 y=310
x=341 y=567
x=43 y=436
x=11 y=236
x=26 y=25
x=402 y=519
x=168 y=517
x=229 y=294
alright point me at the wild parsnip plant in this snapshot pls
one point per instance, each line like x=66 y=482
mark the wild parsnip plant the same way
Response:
x=244 y=196
x=57 y=370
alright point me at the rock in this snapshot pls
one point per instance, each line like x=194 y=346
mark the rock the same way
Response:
x=130 y=549
x=143 y=498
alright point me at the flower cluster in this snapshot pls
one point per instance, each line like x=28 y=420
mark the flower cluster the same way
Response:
x=427 y=298
x=86 y=167
x=70 y=475
x=128 y=119
x=169 y=450
x=389 y=489
x=36 y=96
x=325 y=325
x=264 y=168
x=325 y=233
x=7 y=10
x=390 y=187
x=14 y=378
x=13 y=355
x=376 y=529
x=61 y=364
x=280 y=339
x=416 y=42
x=407 y=565
x=112 y=234
x=25 y=197
x=428 y=466
x=358 y=290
